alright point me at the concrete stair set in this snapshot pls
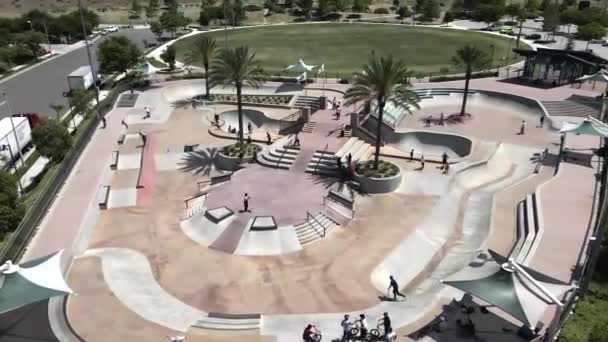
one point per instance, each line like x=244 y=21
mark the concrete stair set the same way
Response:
x=529 y=230
x=313 y=229
x=311 y=102
x=309 y=127
x=278 y=157
x=325 y=163
x=229 y=322
x=572 y=108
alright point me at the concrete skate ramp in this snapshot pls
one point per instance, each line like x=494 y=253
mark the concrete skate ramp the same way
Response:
x=258 y=120
x=187 y=90
x=428 y=143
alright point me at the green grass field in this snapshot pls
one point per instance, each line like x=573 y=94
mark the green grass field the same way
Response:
x=344 y=48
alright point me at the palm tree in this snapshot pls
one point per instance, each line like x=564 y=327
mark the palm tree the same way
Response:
x=469 y=57
x=205 y=51
x=382 y=80
x=237 y=66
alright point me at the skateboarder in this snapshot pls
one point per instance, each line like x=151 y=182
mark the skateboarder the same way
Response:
x=147 y=112
x=268 y=139
x=103 y=122
x=246 y=202
x=395 y=287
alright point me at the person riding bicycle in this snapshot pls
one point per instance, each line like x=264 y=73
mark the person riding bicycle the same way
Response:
x=309 y=333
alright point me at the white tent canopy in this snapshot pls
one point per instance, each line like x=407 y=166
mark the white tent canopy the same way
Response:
x=586 y=127
x=300 y=67
x=600 y=76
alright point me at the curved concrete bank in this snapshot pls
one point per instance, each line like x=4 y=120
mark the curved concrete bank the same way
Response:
x=257 y=118
x=128 y=274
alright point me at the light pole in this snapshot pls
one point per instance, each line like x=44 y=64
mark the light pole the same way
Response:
x=48 y=41
x=10 y=152
x=10 y=115
x=86 y=40
x=31 y=25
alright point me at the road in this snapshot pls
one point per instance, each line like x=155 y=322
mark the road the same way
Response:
x=34 y=89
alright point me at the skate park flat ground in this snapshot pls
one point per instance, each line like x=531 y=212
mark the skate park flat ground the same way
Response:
x=329 y=276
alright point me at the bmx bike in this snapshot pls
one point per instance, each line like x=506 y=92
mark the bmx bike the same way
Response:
x=374 y=334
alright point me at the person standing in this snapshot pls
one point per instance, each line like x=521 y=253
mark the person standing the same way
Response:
x=428 y=121
x=338 y=111
x=249 y=128
x=422 y=162
x=246 y=200
x=364 y=326
x=444 y=160
x=249 y=140
x=411 y=154
x=296 y=140
x=386 y=324
x=268 y=139
x=542 y=121
x=346 y=326
x=395 y=287
x=349 y=158
x=333 y=103
x=103 y=122
x=147 y=113
x=522 y=129
x=122 y=122
x=216 y=117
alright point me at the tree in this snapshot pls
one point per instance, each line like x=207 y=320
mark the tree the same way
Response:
x=52 y=139
x=81 y=99
x=11 y=211
x=135 y=9
x=570 y=44
x=591 y=31
x=532 y=5
x=57 y=108
x=469 y=57
x=430 y=10
x=383 y=80
x=551 y=16
x=448 y=17
x=169 y=55
x=404 y=12
x=360 y=6
x=568 y=17
x=511 y=10
x=207 y=3
x=598 y=333
x=152 y=9
x=237 y=66
x=339 y=5
x=204 y=50
x=117 y=54
x=172 y=5
x=157 y=28
x=306 y=7
x=489 y=13
x=173 y=20
x=323 y=7
x=203 y=18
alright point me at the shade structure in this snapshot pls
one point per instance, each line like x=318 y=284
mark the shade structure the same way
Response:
x=31 y=282
x=586 y=127
x=509 y=289
x=600 y=76
x=300 y=67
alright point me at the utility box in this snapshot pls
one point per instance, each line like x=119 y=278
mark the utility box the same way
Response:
x=81 y=78
x=323 y=102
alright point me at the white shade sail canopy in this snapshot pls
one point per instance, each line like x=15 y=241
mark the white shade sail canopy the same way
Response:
x=600 y=76
x=300 y=67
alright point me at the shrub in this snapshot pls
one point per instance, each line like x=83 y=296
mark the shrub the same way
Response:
x=252 y=8
x=393 y=8
x=234 y=150
x=404 y=12
x=385 y=169
x=331 y=16
x=481 y=74
x=343 y=81
x=354 y=16
x=381 y=10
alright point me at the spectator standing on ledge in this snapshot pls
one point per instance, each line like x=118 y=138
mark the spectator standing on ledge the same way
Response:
x=268 y=139
x=522 y=129
x=422 y=162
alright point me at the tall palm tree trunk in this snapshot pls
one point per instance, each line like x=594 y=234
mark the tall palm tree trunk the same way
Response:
x=239 y=106
x=466 y=91
x=378 y=134
x=521 y=25
x=206 y=66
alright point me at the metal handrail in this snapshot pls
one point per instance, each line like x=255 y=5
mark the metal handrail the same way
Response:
x=319 y=159
x=324 y=228
x=289 y=120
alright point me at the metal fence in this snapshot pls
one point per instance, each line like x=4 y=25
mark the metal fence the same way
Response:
x=19 y=239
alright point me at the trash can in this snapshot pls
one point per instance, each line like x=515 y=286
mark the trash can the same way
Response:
x=322 y=102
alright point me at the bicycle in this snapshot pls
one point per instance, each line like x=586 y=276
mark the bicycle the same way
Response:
x=356 y=329
x=374 y=334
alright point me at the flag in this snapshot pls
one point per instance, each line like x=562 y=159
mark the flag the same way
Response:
x=321 y=69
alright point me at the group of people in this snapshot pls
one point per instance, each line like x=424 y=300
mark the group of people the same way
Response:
x=429 y=119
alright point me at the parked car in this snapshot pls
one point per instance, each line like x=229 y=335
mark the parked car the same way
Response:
x=533 y=36
x=605 y=42
x=539 y=19
x=506 y=30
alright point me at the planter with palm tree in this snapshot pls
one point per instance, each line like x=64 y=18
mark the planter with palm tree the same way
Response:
x=383 y=80
x=469 y=57
x=231 y=156
x=204 y=50
x=237 y=66
x=386 y=178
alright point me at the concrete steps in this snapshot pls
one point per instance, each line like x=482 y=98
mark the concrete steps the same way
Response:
x=278 y=157
x=314 y=229
x=323 y=163
x=219 y=323
x=311 y=102
x=309 y=127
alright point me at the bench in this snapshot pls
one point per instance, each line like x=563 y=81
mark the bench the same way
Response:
x=103 y=196
x=114 y=161
x=121 y=139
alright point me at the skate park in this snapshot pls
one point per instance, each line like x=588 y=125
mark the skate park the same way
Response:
x=175 y=254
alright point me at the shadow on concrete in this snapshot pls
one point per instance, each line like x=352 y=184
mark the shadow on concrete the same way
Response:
x=27 y=324
x=199 y=162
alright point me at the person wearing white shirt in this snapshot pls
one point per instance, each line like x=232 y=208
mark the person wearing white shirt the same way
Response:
x=346 y=326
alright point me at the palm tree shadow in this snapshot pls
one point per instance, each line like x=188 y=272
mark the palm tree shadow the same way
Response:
x=186 y=103
x=199 y=162
x=326 y=181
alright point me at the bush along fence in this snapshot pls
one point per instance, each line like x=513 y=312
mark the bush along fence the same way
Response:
x=18 y=241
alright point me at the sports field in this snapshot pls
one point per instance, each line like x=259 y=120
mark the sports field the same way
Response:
x=344 y=48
